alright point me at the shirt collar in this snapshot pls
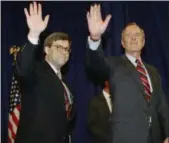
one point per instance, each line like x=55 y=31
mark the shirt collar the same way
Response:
x=106 y=95
x=53 y=67
x=132 y=59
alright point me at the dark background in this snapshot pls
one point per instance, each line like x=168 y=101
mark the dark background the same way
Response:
x=70 y=17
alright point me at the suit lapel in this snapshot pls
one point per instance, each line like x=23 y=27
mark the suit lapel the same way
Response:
x=135 y=75
x=49 y=68
x=133 y=72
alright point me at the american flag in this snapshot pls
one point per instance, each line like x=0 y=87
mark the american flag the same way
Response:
x=14 y=109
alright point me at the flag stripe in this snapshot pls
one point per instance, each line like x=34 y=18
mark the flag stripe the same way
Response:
x=10 y=140
x=12 y=131
x=14 y=118
x=14 y=110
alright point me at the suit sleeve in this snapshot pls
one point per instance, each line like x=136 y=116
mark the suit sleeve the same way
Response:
x=92 y=118
x=163 y=108
x=96 y=63
x=26 y=60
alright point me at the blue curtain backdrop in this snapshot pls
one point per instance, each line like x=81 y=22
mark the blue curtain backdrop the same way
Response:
x=70 y=17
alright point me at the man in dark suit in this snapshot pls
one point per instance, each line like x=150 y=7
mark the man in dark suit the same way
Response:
x=46 y=103
x=99 y=111
x=139 y=104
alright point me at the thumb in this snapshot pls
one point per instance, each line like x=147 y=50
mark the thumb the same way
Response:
x=106 y=22
x=46 y=19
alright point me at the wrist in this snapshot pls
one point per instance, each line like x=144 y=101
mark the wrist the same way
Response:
x=95 y=37
x=33 y=35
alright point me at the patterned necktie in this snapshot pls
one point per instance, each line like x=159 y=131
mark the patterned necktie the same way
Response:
x=144 y=80
x=68 y=104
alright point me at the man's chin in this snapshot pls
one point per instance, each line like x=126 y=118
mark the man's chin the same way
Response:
x=135 y=49
x=62 y=63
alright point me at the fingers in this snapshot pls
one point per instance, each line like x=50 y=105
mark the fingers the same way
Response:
x=95 y=13
x=108 y=17
x=106 y=22
x=35 y=9
x=92 y=11
x=99 y=12
x=26 y=13
x=39 y=9
x=31 y=11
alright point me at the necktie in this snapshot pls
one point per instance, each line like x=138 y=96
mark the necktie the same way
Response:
x=144 y=80
x=68 y=104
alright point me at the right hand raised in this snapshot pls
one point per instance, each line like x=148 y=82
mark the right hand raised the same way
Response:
x=95 y=23
x=34 y=20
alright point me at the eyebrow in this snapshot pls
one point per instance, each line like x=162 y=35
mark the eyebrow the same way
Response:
x=60 y=45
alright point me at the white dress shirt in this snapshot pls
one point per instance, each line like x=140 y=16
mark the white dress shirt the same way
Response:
x=108 y=100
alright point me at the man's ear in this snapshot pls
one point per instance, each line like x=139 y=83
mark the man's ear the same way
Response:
x=143 y=42
x=122 y=43
x=46 y=50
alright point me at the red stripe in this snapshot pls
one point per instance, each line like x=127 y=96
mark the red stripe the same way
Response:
x=11 y=128
x=14 y=117
x=19 y=107
x=141 y=70
x=146 y=85
x=144 y=77
x=147 y=92
x=9 y=140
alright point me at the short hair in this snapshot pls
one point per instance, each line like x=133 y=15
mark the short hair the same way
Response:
x=103 y=84
x=131 y=24
x=56 y=36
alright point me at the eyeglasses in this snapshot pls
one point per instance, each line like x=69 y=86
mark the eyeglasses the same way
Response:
x=62 y=49
x=136 y=35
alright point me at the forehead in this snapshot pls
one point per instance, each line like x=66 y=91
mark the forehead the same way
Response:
x=132 y=29
x=64 y=43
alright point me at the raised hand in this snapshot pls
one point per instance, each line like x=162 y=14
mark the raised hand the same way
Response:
x=96 y=25
x=34 y=19
x=166 y=140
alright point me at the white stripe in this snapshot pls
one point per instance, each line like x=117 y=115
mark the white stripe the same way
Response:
x=144 y=80
x=146 y=86
x=10 y=135
x=147 y=93
x=17 y=113
x=14 y=127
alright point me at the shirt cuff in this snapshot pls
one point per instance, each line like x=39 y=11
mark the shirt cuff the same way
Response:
x=33 y=40
x=93 y=45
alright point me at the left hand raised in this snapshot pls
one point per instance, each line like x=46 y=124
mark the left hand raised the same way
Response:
x=166 y=140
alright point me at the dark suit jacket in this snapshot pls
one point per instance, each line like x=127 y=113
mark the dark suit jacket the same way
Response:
x=97 y=119
x=130 y=110
x=43 y=117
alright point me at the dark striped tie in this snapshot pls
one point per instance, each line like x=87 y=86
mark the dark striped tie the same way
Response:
x=144 y=80
x=68 y=105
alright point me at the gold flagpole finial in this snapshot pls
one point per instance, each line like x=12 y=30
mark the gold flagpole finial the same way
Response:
x=14 y=51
